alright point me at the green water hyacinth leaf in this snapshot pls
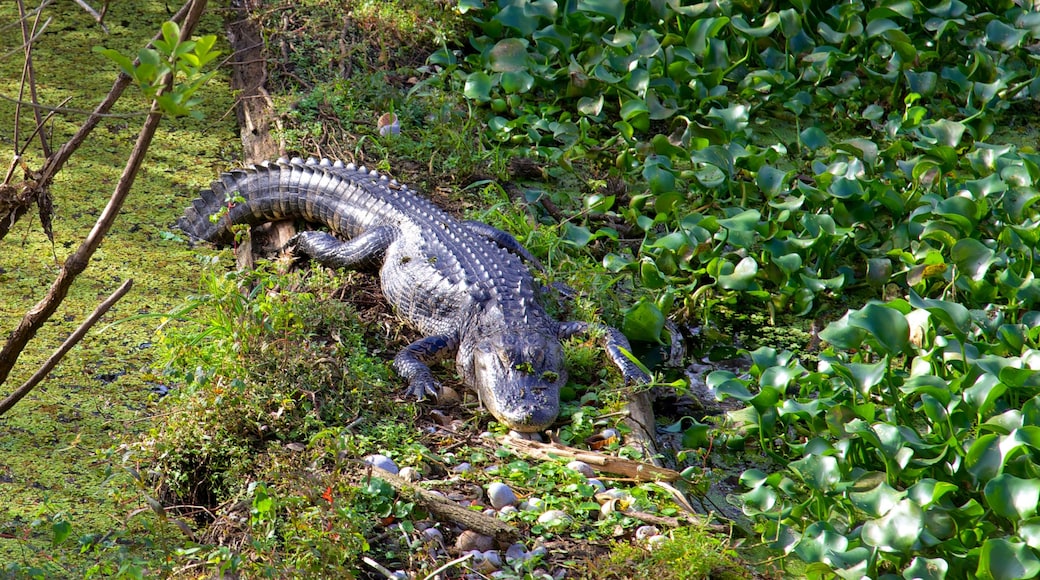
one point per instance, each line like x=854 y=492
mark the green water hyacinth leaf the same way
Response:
x=525 y=15
x=926 y=569
x=945 y=132
x=1012 y=497
x=644 y=321
x=813 y=138
x=874 y=496
x=843 y=335
x=952 y=316
x=1029 y=530
x=1004 y=36
x=818 y=540
x=887 y=325
x=739 y=277
x=509 y=55
x=973 y=258
x=613 y=9
x=478 y=87
x=819 y=472
x=765 y=29
x=897 y=531
x=1002 y=559
x=771 y=180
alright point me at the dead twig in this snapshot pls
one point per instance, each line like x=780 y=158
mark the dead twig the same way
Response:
x=444 y=508
x=12 y=399
x=35 y=318
x=637 y=470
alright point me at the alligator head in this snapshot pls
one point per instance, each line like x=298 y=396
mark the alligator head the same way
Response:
x=517 y=374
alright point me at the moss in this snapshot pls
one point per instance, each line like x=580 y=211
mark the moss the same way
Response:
x=49 y=458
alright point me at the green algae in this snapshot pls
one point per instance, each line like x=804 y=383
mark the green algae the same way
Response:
x=53 y=459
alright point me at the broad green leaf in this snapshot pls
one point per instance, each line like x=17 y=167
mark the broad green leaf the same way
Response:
x=887 y=325
x=1002 y=559
x=644 y=321
x=843 y=335
x=973 y=258
x=61 y=529
x=813 y=138
x=769 y=24
x=951 y=315
x=926 y=569
x=819 y=472
x=771 y=180
x=613 y=9
x=873 y=496
x=818 y=540
x=590 y=106
x=897 y=531
x=509 y=55
x=741 y=276
x=478 y=87
x=1002 y=35
x=1029 y=530
x=1012 y=497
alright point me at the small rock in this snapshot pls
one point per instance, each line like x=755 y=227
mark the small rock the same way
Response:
x=553 y=518
x=463 y=467
x=644 y=532
x=507 y=510
x=448 y=396
x=582 y=468
x=469 y=541
x=600 y=487
x=382 y=462
x=525 y=436
x=531 y=505
x=500 y=495
x=491 y=560
x=517 y=552
x=654 y=542
x=410 y=474
x=486 y=435
x=430 y=535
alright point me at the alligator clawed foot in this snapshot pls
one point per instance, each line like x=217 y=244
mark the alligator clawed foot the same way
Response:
x=422 y=390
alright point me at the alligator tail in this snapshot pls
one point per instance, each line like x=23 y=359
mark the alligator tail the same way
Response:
x=340 y=197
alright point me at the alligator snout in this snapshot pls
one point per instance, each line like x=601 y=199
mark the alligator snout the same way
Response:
x=528 y=404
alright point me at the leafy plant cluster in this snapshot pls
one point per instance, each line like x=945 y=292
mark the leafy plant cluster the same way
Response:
x=269 y=375
x=735 y=119
x=785 y=154
x=171 y=73
x=912 y=449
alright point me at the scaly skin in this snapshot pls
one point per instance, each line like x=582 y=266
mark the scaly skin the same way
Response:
x=463 y=285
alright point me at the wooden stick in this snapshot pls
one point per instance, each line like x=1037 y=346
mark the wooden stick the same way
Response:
x=446 y=509
x=637 y=470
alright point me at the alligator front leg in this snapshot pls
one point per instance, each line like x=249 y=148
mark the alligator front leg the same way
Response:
x=614 y=342
x=412 y=364
x=356 y=253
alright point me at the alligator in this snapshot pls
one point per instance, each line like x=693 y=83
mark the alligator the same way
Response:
x=463 y=285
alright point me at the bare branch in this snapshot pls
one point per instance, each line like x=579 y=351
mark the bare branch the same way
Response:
x=12 y=399
x=77 y=262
